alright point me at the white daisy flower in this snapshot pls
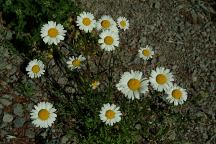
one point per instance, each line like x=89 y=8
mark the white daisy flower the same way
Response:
x=123 y=23
x=161 y=79
x=86 y=21
x=35 y=68
x=110 y=114
x=108 y=40
x=146 y=53
x=105 y=23
x=176 y=94
x=132 y=84
x=95 y=84
x=43 y=115
x=75 y=62
x=52 y=33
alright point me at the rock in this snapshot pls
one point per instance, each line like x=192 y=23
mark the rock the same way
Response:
x=172 y=135
x=18 y=110
x=13 y=71
x=152 y=27
x=34 y=99
x=3 y=125
x=7 y=118
x=6 y=53
x=70 y=90
x=9 y=97
x=0 y=111
x=205 y=136
x=62 y=81
x=19 y=122
x=30 y=106
x=174 y=67
x=64 y=140
x=4 y=101
x=9 y=67
x=29 y=133
x=3 y=133
x=157 y=4
x=194 y=78
x=1 y=106
x=13 y=78
x=3 y=83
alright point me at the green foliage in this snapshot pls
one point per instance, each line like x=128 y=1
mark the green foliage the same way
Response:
x=26 y=88
x=26 y=17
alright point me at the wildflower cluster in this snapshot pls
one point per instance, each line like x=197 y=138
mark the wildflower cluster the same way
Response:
x=133 y=84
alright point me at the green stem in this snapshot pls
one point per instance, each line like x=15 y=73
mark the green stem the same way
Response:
x=110 y=76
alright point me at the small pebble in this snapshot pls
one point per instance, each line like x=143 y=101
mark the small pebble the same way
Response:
x=7 y=118
x=64 y=140
x=18 y=109
x=5 y=102
x=29 y=133
x=1 y=106
x=19 y=122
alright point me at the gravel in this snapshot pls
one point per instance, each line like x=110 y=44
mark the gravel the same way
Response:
x=7 y=118
x=19 y=122
x=18 y=109
x=6 y=100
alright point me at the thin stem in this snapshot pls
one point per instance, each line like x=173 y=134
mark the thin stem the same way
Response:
x=99 y=61
x=110 y=75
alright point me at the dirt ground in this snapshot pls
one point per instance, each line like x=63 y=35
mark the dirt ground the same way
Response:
x=183 y=41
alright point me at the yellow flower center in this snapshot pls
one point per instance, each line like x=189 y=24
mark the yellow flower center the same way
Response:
x=134 y=84
x=105 y=24
x=86 y=21
x=43 y=114
x=76 y=62
x=94 y=83
x=161 y=79
x=146 y=52
x=108 y=40
x=50 y=55
x=123 y=23
x=35 y=69
x=53 y=32
x=110 y=114
x=177 y=94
